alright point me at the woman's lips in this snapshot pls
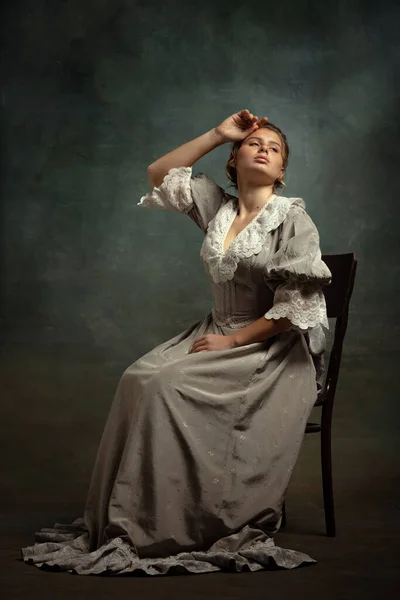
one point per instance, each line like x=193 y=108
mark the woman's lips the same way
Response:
x=261 y=158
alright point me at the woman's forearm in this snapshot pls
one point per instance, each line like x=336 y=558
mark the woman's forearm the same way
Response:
x=183 y=156
x=260 y=330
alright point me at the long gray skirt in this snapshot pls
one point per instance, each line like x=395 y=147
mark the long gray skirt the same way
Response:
x=194 y=461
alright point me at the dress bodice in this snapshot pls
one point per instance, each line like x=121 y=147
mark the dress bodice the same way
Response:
x=278 y=251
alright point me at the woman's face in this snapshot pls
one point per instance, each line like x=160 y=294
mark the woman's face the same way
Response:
x=261 y=144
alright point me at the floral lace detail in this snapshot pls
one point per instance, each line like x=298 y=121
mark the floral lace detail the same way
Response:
x=302 y=304
x=174 y=193
x=222 y=265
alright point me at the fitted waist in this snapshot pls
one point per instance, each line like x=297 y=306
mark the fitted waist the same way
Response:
x=236 y=305
x=234 y=320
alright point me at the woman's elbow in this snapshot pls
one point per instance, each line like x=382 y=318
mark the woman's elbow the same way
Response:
x=155 y=179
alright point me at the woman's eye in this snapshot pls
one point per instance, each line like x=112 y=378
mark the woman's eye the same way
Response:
x=256 y=144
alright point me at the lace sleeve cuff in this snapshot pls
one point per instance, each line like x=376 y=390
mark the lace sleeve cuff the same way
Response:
x=304 y=305
x=174 y=193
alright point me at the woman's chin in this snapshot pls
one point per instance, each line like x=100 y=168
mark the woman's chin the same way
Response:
x=258 y=176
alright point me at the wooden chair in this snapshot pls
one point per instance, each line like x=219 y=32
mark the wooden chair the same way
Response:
x=337 y=295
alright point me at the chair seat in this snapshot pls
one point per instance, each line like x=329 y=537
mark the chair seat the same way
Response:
x=313 y=428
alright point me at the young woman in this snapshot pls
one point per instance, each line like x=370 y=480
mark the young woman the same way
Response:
x=205 y=429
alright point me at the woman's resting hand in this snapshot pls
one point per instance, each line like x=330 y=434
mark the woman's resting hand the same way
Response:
x=209 y=342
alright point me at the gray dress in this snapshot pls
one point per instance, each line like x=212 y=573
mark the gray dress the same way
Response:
x=199 y=448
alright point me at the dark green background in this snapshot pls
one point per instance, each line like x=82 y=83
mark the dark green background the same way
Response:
x=94 y=91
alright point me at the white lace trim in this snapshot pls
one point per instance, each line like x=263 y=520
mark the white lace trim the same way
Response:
x=222 y=265
x=303 y=305
x=174 y=193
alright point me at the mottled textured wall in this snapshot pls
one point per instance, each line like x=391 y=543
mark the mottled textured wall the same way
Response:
x=92 y=92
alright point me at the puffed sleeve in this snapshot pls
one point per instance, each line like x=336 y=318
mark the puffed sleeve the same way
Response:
x=296 y=274
x=196 y=195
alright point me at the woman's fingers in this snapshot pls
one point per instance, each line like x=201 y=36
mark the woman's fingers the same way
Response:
x=197 y=349
x=197 y=342
x=261 y=122
x=251 y=119
x=200 y=344
x=246 y=115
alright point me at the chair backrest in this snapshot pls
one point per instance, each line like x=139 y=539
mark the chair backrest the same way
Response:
x=337 y=295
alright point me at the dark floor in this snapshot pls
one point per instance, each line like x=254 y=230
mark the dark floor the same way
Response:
x=362 y=561
x=47 y=456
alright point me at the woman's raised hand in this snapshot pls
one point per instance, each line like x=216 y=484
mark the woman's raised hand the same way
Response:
x=238 y=126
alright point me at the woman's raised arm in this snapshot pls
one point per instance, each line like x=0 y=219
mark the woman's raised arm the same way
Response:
x=183 y=156
x=236 y=127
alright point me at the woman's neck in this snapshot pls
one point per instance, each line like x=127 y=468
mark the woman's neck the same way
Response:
x=252 y=199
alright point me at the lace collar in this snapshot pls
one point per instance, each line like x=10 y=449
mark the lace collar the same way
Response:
x=222 y=265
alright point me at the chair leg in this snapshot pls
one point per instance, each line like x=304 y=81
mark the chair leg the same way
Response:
x=283 y=522
x=327 y=485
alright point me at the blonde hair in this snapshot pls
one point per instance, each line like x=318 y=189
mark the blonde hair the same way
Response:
x=231 y=170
